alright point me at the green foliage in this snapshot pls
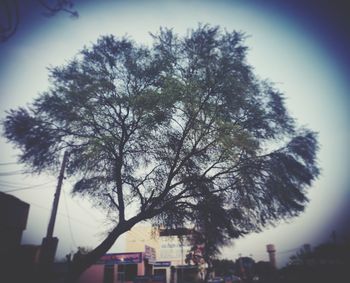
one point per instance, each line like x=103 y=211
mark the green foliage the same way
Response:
x=180 y=129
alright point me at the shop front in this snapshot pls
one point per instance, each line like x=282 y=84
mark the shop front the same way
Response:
x=116 y=268
x=162 y=269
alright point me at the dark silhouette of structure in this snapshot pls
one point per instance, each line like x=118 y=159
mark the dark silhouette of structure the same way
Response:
x=13 y=220
x=272 y=254
x=13 y=256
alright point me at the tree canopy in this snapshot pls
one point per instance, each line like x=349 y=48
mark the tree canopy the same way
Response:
x=153 y=131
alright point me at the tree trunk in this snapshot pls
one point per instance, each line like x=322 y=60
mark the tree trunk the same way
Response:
x=83 y=262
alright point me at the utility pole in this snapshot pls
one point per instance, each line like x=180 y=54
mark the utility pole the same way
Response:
x=56 y=199
x=49 y=243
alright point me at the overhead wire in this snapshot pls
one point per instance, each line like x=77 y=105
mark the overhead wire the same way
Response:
x=135 y=232
x=86 y=211
x=8 y=163
x=279 y=252
x=16 y=188
x=288 y=251
x=68 y=220
x=11 y=183
x=63 y=214
x=82 y=207
x=4 y=184
x=11 y=173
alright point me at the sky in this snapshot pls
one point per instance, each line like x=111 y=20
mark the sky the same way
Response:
x=300 y=46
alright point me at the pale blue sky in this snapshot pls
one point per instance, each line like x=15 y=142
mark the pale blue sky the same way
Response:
x=282 y=48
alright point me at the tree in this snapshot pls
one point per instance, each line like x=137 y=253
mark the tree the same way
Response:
x=153 y=130
x=213 y=229
x=245 y=268
x=224 y=267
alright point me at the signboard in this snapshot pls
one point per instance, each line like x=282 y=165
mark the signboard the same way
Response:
x=150 y=254
x=172 y=249
x=162 y=264
x=175 y=232
x=125 y=258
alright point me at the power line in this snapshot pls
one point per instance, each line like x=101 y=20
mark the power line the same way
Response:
x=278 y=252
x=68 y=220
x=16 y=184
x=288 y=251
x=87 y=211
x=11 y=183
x=23 y=186
x=83 y=208
x=46 y=208
x=11 y=173
x=22 y=189
x=8 y=163
x=15 y=189
x=63 y=214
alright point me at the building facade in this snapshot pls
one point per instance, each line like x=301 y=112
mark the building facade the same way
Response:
x=148 y=257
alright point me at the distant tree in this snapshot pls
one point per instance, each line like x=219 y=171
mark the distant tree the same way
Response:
x=325 y=253
x=223 y=267
x=327 y=262
x=245 y=268
x=153 y=131
x=265 y=272
x=302 y=256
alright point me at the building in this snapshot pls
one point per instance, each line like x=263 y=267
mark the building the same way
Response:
x=13 y=220
x=168 y=247
x=169 y=250
x=13 y=255
x=149 y=254
x=117 y=267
